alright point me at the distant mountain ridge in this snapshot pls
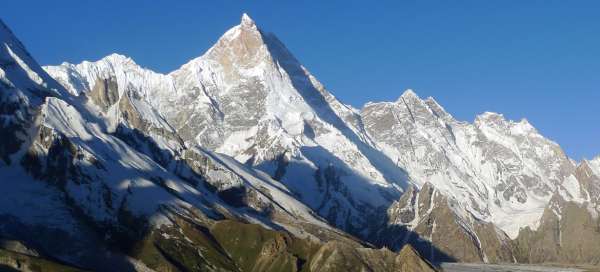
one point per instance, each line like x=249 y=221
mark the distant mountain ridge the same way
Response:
x=244 y=133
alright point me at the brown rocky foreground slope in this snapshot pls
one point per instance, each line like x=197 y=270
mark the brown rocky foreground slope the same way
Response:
x=233 y=246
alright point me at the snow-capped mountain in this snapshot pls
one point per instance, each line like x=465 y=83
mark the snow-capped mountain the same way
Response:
x=96 y=177
x=249 y=98
x=501 y=171
x=159 y=165
x=491 y=171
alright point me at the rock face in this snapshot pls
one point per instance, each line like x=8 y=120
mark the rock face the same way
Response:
x=441 y=230
x=105 y=92
x=569 y=230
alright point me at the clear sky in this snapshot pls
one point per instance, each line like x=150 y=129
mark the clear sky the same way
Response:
x=533 y=59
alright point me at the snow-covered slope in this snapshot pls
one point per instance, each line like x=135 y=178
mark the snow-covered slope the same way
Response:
x=23 y=86
x=105 y=172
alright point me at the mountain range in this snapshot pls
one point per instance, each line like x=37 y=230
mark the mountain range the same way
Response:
x=241 y=160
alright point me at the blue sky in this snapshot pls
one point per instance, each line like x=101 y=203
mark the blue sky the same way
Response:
x=533 y=59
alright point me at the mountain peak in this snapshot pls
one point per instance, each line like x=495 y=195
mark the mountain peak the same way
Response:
x=437 y=109
x=594 y=165
x=430 y=101
x=488 y=118
x=409 y=94
x=525 y=124
x=118 y=58
x=491 y=115
x=18 y=67
x=247 y=21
